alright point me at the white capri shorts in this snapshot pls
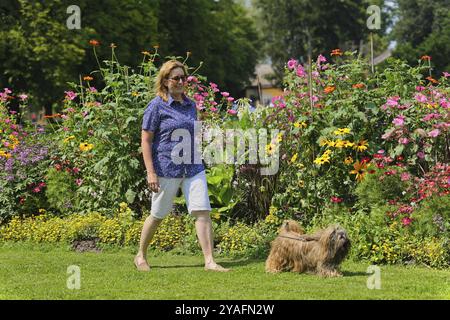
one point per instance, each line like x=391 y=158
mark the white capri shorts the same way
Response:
x=195 y=190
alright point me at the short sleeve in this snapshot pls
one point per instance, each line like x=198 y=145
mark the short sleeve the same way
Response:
x=150 y=122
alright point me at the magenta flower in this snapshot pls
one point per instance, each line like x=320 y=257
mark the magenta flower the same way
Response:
x=444 y=103
x=446 y=74
x=403 y=140
x=230 y=99
x=192 y=79
x=232 y=112
x=7 y=91
x=292 y=64
x=79 y=182
x=420 y=88
x=399 y=121
x=70 y=95
x=321 y=58
x=213 y=109
x=393 y=101
x=431 y=116
x=225 y=94
x=434 y=133
x=92 y=89
x=420 y=98
x=406 y=221
x=300 y=71
x=336 y=199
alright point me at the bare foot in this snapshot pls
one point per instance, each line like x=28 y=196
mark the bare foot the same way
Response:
x=215 y=267
x=141 y=264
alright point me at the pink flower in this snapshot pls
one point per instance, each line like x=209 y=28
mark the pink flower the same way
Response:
x=292 y=64
x=36 y=190
x=70 y=95
x=405 y=176
x=336 y=199
x=393 y=101
x=7 y=91
x=230 y=99
x=381 y=151
x=213 y=109
x=420 y=88
x=403 y=140
x=420 y=155
x=192 y=79
x=42 y=184
x=444 y=103
x=399 y=121
x=430 y=116
x=420 y=98
x=321 y=58
x=225 y=94
x=446 y=74
x=70 y=110
x=314 y=98
x=406 y=221
x=300 y=71
x=434 y=133
x=92 y=89
x=232 y=112
x=23 y=97
x=79 y=182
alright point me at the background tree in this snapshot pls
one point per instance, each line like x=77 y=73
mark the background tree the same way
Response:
x=293 y=26
x=423 y=28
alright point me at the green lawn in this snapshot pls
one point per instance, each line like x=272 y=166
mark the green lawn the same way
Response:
x=30 y=271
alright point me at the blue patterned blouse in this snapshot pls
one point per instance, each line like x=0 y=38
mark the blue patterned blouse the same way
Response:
x=162 y=118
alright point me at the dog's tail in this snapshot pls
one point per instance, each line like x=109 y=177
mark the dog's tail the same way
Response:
x=291 y=226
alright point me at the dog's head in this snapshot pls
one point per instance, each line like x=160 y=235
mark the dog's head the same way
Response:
x=336 y=241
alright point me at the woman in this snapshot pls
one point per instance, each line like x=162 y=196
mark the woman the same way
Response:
x=172 y=110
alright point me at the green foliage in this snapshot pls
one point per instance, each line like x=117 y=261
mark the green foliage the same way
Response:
x=61 y=191
x=381 y=186
x=433 y=217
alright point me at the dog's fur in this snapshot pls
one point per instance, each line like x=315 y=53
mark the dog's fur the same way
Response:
x=320 y=253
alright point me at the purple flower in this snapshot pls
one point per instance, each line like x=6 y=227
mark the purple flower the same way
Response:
x=420 y=155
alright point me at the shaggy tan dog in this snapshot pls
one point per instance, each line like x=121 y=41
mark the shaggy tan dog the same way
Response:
x=320 y=253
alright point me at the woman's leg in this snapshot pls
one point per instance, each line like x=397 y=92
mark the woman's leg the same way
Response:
x=148 y=231
x=203 y=226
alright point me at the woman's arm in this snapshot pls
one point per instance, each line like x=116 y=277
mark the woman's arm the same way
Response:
x=146 y=144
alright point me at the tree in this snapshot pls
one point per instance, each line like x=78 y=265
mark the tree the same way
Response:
x=423 y=28
x=217 y=33
x=293 y=27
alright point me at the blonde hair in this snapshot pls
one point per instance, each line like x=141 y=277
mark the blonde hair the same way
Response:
x=160 y=89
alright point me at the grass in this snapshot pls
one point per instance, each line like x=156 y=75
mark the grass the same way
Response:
x=30 y=271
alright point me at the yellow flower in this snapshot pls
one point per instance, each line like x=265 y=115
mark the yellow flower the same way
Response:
x=86 y=146
x=135 y=93
x=270 y=148
x=68 y=139
x=348 y=144
x=361 y=145
x=300 y=124
x=294 y=158
x=339 y=143
x=280 y=137
x=321 y=160
x=348 y=160
x=341 y=131
x=331 y=143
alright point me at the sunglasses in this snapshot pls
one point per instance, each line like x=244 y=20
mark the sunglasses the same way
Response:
x=178 y=78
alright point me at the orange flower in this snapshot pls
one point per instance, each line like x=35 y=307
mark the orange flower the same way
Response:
x=329 y=89
x=88 y=78
x=336 y=52
x=360 y=169
x=425 y=58
x=432 y=80
x=52 y=116
x=358 y=86
x=94 y=43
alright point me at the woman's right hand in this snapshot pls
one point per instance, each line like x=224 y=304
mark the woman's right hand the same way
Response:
x=153 y=183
